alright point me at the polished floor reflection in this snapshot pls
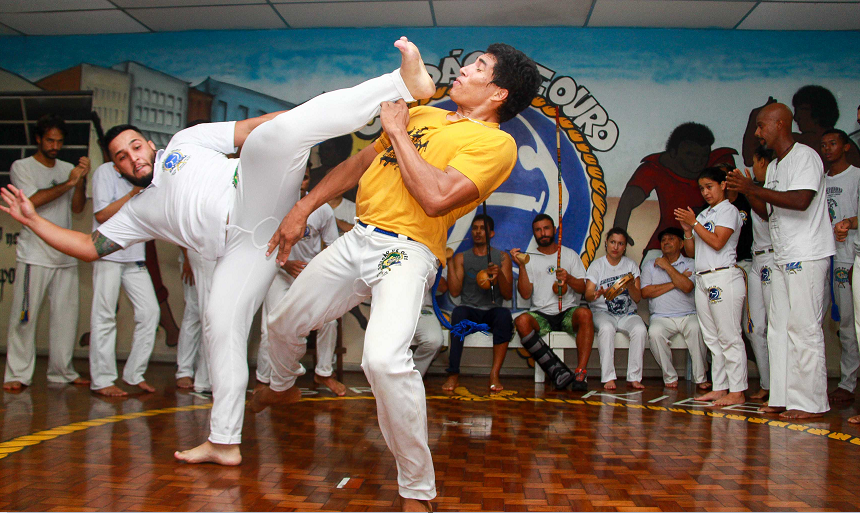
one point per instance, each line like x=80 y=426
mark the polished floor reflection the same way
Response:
x=526 y=449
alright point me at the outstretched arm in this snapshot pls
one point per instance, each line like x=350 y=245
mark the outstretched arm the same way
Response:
x=438 y=191
x=79 y=245
x=342 y=178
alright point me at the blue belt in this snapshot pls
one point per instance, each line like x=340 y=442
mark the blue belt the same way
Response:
x=385 y=232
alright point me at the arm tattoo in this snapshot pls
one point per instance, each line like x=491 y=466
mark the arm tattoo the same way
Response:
x=104 y=246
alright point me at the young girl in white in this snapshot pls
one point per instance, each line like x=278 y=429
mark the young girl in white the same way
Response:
x=712 y=239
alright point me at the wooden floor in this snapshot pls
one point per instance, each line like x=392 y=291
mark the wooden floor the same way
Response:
x=526 y=449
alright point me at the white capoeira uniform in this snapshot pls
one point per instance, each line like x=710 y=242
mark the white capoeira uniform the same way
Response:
x=672 y=313
x=614 y=316
x=126 y=269
x=428 y=338
x=842 y=197
x=758 y=297
x=720 y=293
x=321 y=228
x=42 y=270
x=190 y=353
x=802 y=246
x=395 y=261
x=228 y=209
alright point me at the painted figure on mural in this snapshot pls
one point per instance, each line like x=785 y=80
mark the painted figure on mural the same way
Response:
x=815 y=111
x=672 y=175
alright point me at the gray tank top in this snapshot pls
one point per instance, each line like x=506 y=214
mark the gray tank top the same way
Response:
x=472 y=294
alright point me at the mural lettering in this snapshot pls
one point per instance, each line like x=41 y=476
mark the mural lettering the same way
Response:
x=6 y=275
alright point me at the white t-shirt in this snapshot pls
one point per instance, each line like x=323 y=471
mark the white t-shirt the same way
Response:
x=761 y=233
x=190 y=196
x=109 y=186
x=345 y=212
x=320 y=228
x=797 y=235
x=31 y=176
x=723 y=214
x=541 y=271
x=674 y=303
x=603 y=275
x=842 y=191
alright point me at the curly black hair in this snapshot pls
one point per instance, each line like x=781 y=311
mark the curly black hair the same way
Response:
x=47 y=122
x=693 y=132
x=518 y=74
x=822 y=104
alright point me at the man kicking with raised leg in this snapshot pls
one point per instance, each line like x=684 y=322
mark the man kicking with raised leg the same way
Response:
x=226 y=210
x=429 y=168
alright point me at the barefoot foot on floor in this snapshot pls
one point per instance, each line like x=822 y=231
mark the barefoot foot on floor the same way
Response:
x=208 y=452
x=331 y=383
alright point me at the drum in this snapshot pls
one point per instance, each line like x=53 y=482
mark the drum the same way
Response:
x=619 y=286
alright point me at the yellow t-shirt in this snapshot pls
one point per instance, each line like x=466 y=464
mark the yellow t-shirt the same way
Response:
x=481 y=151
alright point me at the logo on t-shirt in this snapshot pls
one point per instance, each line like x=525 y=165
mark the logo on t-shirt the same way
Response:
x=416 y=135
x=715 y=294
x=793 y=267
x=307 y=234
x=390 y=258
x=174 y=161
x=709 y=226
x=840 y=274
x=831 y=208
x=550 y=270
x=744 y=217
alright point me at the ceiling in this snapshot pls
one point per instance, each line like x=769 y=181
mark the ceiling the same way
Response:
x=61 y=17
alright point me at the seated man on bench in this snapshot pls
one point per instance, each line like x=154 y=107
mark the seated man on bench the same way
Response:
x=667 y=286
x=538 y=281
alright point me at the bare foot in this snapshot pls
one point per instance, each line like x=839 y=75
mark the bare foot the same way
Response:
x=673 y=384
x=855 y=419
x=771 y=409
x=712 y=395
x=412 y=70
x=451 y=383
x=705 y=385
x=609 y=385
x=185 y=382
x=416 y=505
x=636 y=384
x=331 y=383
x=79 y=381
x=259 y=386
x=265 y=397
x=799 y=415
x=761 y=394
x=13 y=386
x=207 y=452
x=146 y=387
x=495 y=384
x=111 y=391
x=730 y=399
x=841 y=396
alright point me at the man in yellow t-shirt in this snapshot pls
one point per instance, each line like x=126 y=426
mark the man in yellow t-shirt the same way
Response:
x=430 y=167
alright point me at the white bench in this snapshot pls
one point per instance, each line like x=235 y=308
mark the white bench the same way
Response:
x=558 y=341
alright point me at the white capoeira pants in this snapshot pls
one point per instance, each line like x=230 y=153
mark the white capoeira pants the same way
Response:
x=633 y=326
x=795 y=338
x=664 y=328
x=758 y=301
x=190 y=353
x=427 y=341
x=61 y=286
x=272 y=165
x=849 y=361
x=108 y=277
x=397 y=273
x=719 y=303
x=326 y=335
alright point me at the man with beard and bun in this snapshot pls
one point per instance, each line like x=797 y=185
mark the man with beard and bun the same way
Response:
x=843 y=186
x=225 y=209
x=538 y=281
x=794 y=203
x=429 y=168
x=56 y=189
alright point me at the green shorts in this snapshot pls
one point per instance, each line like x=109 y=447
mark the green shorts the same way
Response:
x=559 y=322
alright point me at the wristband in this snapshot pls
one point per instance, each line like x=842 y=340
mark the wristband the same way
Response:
x=694 y=225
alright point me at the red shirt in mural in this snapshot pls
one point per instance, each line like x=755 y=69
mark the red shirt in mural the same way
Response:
x=673 y=191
